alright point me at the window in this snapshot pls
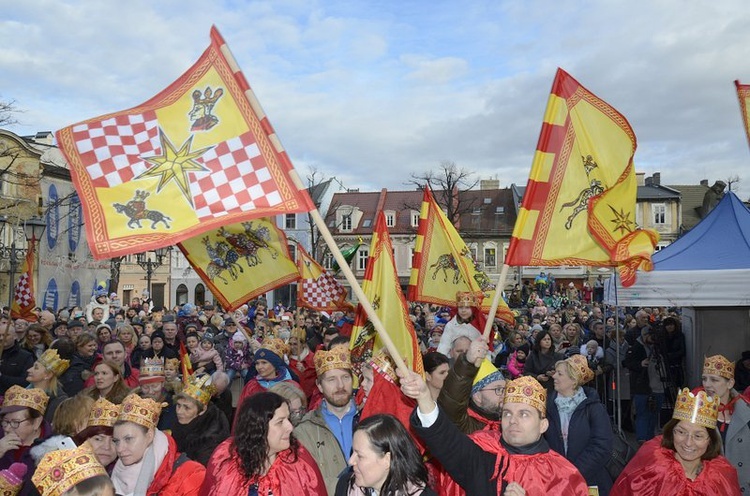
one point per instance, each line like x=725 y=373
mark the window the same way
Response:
x=490 y=257
x=292 y=251
x=390 y=219
x=473 y=249
x=346 y=222
x=499 y=210
x=362 y=257
x=411 y=257
x=659 y=211
x=414 y=218
x=328 y=261
x=487 y=201
x=290 y=221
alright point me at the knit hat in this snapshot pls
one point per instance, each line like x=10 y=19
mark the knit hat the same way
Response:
x=487 y=374
x=11 y=479
x=238 y=336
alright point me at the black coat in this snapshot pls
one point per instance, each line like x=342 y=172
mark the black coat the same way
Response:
x=72 y=380
x=342 y=486
x=539 y=363
x=202 y=435
x=589 y=438
x=639 y=383
x=14 y=363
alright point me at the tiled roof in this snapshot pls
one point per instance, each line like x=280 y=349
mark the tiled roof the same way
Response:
x=656 y=193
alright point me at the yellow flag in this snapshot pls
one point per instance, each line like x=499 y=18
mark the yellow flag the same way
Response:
x=382 y=288
x=241 y=261
x=443 y=264
x=579 y=204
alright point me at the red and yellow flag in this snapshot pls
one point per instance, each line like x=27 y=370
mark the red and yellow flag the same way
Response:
x=24 y=303
x=199 y=155
x=743 y=94
x=241 y=261
x=317 y=288
x=186 y=366
x=443 y=264
x=382 y=288
x=579 y=204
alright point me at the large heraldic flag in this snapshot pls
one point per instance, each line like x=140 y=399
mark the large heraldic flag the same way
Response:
x=199 y=155
x=579 y=204
x=743 y=94
x=317 y=288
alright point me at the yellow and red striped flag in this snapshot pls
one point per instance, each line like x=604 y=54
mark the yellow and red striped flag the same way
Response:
x=579 y=204
x=743 y=94
x=316 y=287
x=241 y=261
x=443 y=264
x=199 y=155
x=382 y=288
x=24 y=303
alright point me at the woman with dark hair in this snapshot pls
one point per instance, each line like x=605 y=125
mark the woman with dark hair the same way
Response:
x=263 y=457
x=436 y=366
x=384 y=461
x=540 y=363
x=158 y=348
x=686 y=460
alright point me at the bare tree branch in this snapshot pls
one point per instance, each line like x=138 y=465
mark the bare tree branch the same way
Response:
x=447 y=182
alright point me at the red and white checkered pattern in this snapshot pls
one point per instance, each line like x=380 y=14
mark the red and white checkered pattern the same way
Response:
x=111 y=149
x=323 y=292
x=239 y=180
x=23 y=294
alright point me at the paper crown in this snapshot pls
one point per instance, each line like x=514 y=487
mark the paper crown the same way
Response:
x=51 y=361
x=20 y=398
x=528 y=391
x=152 y=371
x=11 y=479
x=487 y=373
x=699 y=409
x=466 y=299
x=338 y=357
x=141 y=411
x=172 y=363
x=300 y=334
x=60 y=470
x=199 y=388
x=382 y=363
x=580 y=367
x=718 y=365
x=276 y=346
x=103 y=413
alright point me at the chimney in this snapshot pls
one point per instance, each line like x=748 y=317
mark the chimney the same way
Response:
x=704 y=182
x=649 y=181
x=639 y=178
x=489 y=184
x=656 y=179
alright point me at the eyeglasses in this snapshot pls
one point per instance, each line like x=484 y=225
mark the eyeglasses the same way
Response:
x=13 y=424
x=500 y=390
x=699 y=437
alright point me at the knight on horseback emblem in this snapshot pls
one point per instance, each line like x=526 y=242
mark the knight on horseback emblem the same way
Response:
x=581 y=202
x=136 y=211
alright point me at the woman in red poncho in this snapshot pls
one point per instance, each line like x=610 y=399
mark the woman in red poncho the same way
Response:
x=263 y=457
x=686 y=461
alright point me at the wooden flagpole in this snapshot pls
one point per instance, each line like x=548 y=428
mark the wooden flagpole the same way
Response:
x=495 y=301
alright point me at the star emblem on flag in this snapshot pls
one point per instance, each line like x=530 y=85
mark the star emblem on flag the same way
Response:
x=174 y=165
x=622 y=221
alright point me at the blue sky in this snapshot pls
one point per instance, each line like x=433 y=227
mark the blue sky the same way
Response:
x=372 y=91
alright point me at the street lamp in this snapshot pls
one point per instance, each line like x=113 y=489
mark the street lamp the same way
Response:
x=33 y=229
x=150 y=264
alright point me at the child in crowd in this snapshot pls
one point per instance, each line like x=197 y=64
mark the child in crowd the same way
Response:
x=172 y=381
x=517 y=361
x=238 y=358
x=204 y=357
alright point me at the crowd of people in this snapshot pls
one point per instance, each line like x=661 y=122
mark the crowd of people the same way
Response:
x=138 y=400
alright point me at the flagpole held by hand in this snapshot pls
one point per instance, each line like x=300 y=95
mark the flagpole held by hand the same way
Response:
x=495 y=302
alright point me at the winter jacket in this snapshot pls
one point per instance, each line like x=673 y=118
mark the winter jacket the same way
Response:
x=54 y=402
x=95 y=304
x=455 y=398
x=208 y=359
x=315 y=435
x=539 y=363
x=72 y=379
x=589 y=438
x=14 y=362
x=202 y=435
x=235 y=359
x=177 y=475
x=515 y=368
x=735 y=444
x=23 y=455
x=639 y=383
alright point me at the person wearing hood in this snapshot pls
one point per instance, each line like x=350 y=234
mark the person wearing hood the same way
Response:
x=270 y=367
x=464 y=323
x=98 y=300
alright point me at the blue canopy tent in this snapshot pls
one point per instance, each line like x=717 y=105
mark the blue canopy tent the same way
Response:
x=707 y=272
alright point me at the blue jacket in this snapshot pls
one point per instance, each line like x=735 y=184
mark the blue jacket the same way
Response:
x=589 y=438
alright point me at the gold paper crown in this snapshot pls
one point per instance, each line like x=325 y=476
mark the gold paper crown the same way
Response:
x=141 y=411
x=699 y=409
x=33 y=398
x=51 y=361
x=199 y=388
x=104 y=413
x=718 y=365
x=383 y=363
x=276 y=346
x=338 y=357
x=60 y=470
x=11 y=479
x=300 y=334
x=528 y=391
x=466 y=299
x=152 y=370
x=173 y=363
x=580 y=366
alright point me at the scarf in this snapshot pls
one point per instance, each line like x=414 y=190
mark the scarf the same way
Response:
x=489 y=424
x=284 y=375
x=136 y=478
x=566 y=406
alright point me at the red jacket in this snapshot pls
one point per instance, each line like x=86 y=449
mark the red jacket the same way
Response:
x=186 y=480
x=286 y=477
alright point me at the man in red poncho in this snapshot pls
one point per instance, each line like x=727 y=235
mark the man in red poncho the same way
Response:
x=518 y=463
